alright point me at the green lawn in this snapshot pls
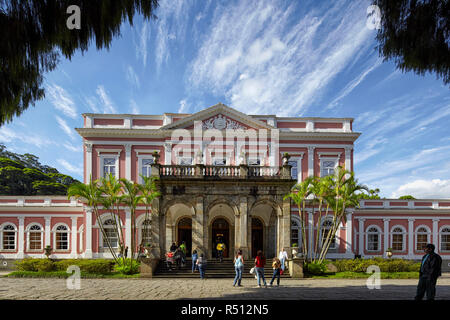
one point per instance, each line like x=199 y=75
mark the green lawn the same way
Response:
x=63 y=274
x=363 y=275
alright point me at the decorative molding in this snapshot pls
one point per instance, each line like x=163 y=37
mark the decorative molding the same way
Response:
x=221 y=122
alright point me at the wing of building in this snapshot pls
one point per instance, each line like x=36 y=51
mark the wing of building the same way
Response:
x=222 y=177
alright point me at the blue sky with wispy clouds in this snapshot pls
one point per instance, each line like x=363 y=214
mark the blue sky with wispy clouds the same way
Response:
x=290 y=58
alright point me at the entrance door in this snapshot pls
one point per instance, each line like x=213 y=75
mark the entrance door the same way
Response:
x=185 y=234
x=257 y=236
x=220 y=231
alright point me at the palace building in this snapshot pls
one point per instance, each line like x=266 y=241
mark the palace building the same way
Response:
x=221 y=175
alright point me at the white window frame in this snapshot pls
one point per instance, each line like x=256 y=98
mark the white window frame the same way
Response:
x=379 y=238
x=102 y=158
x=55 y=231
x=440 y=237
x=403 y=233
x=299 y=229
x=336 y=238
x=416 y=233
x=80 y=238
x=296 y=157
x=1 y=235
x=103 y=219
x=141 y=158
x=28 y=230
x=321 y=165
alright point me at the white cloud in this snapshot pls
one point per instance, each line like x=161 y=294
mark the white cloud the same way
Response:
x=141 y=44
x=134 y=107
x=132 y=77
x=424 y=189
x=8 y=135
x=184 y=107
x=62 y=101
x=73 y=148
x=106 y=101
x=287 y=61
x=69 y=167
x=65 y=127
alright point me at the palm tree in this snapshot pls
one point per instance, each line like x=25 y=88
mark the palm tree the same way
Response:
x=299 y=194
x=345 y=194
x=91 y=194
x=149 y=192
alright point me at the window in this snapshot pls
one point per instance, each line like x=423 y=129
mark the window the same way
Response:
x=8 y=237
x=35 y=237
x=397 y=239
x=294 y=169
x=422 y=236
x=109 y=167
x=296 y=233
x=146 y=167
x=254 y=162
x=326 y=228
x=445 y=239
x=62 y=238
x=373 y=239
x=327 y=167
x=146 y=232
x=111 y=234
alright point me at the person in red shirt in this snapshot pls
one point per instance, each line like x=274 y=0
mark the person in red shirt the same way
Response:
x=260 y=262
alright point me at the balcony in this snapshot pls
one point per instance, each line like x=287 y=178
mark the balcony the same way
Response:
x=201 y=171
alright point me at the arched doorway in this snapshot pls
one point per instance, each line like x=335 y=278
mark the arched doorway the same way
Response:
x=221 y=231
x=257 y=236
x=185 y=234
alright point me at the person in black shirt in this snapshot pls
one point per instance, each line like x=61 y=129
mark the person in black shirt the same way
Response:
x=430 y=270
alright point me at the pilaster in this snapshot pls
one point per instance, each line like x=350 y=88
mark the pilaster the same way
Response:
x=88 y=250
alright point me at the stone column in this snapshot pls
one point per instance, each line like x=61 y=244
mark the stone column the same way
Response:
x=88 y=162
x=73 y=240
x=128 y=162
x=47 y=232
x=435 y=232
x=88 y=230
x=157 y=245
x=348 y=234
x=285 y=226
x=410 y=237
x=198 y=234
x=168 y=153
x=310 y=233
x=311 y=161
x=386 y=236
x=21 y=238
x=245 y=225
x=348 y=157
x=361 y=236
x=128 y=234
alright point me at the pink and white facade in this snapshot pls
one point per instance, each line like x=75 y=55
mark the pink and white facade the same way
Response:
x=233 y=188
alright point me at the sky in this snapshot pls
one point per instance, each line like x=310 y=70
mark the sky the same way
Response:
x=289 y=58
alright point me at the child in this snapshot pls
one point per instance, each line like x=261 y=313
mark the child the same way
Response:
x=276 y=265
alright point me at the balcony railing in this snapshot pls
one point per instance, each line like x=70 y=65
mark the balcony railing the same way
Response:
x=225 y=172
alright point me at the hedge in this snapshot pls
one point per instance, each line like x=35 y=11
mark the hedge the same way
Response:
x=385 y=265
x=99 y=266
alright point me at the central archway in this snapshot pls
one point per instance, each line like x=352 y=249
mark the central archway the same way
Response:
x=257 y=236
x=221 y=232
x=184 y=234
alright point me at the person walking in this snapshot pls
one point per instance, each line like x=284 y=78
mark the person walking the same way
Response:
x=178 y=256
x=183 y=251
x=194 y=260
x=276 y=265
x=260 y=262
x=201 y=263
x=238 y=267
x=283 y=256
x=220 y=248
x=173 y=247
x=430 y=270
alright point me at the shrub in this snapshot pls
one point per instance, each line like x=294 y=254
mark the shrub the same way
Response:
x=316 y=268
x=45 y=265
x=27 y=264
x=127 y=267
x=100 y=266
x=385 y=265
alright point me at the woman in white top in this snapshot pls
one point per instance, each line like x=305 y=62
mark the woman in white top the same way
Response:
x=238 y=267
x=283 y=257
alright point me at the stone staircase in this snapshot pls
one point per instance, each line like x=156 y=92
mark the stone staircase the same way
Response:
x=214 y=269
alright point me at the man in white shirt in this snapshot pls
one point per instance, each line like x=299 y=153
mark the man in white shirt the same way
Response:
x=283 y=257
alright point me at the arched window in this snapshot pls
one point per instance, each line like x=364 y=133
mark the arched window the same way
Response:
x=61 y=236
x=445 y=239
x=35 y=234
x=397 y=239
x=373 y=239
x=8 y=237
x=111 y=234
x=146 y=232
x=327 y=226
x=296 y=236
x=422 y=238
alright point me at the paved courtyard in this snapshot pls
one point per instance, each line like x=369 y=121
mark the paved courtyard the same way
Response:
x=169 y=289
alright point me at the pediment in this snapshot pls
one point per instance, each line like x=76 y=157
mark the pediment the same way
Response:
x=219 y=117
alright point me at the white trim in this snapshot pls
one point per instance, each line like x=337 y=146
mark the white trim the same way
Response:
x=322 y=160
x=102 y=164
x=68 y=231
x=299 y=228
x=367 y=238
x=336 y=237
x=403 y=233
x=440 y=237
x=27 y=230
x=5 y=224
x=416 y=233
x=140 y=158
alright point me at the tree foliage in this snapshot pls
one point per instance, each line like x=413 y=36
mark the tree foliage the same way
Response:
x=407 y=197
x=416 y=35
x=34 y=35
x=23 y=174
